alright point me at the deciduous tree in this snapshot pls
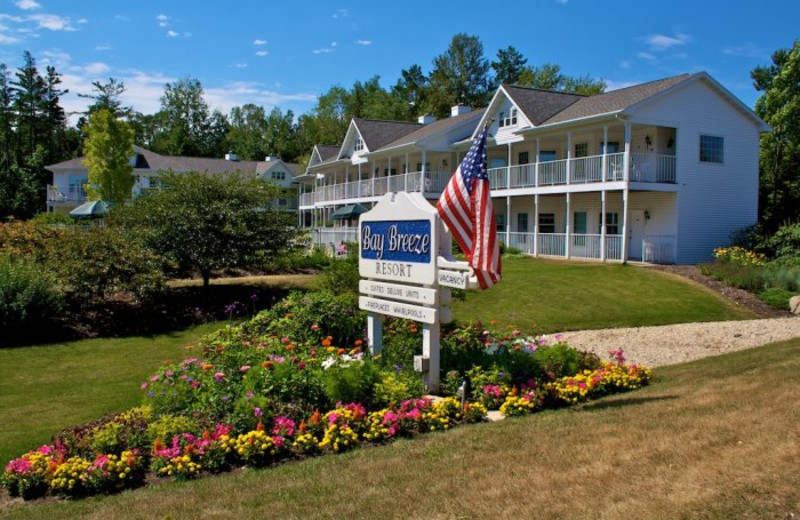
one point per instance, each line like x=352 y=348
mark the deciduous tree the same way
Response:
x=108 y=149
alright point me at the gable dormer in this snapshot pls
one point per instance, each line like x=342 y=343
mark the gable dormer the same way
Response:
x=354 y=145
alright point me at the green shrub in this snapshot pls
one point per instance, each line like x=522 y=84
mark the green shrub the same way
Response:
x=31 y=241
x=784 y=245
x=396 y=386
x=776 y=297
x=352 y=382
x=98 y=262
x=168 y=426
x=402 y=340
x=127 y=430
x=341 y=276
x=747 y=277
x=52 y=219
x=559 y=360
x=29 y=296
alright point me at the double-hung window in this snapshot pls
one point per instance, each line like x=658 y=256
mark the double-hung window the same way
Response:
x=547 y=222
x=712 y=149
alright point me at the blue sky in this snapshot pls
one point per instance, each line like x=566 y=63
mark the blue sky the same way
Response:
x=287 y=53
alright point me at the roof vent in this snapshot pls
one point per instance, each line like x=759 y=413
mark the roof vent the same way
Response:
x=425 y=119
x=230 y=156
x=458 y=110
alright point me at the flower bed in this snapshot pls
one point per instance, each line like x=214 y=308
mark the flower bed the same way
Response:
x=283 y=386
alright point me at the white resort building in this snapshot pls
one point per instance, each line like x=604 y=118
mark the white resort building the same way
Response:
x=661 y=172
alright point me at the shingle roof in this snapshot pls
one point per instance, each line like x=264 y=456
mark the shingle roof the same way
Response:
x=436 y=127
x=615 y=100
x=376 y=133
x=540 y=105
x=327 y=152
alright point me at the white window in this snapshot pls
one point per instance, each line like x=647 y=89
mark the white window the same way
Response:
x=359 y=144
x=507 y=119
x=712 y=149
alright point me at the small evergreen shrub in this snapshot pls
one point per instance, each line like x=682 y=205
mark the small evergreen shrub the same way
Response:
x=29 y=296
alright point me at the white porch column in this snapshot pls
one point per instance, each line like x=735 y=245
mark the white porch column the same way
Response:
x=508 y=221
x=536 y=167
x=536 y=224
x=508 y=168
x=604 y=166
x=424 y=156
x=625 y=193
x=569 y=156
x=603 y=223
x=626 y=161
x=567 y=229
x=406 y=169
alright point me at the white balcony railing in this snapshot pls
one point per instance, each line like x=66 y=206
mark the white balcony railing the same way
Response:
x=65 y=193
x=582 y=170
x=586 y=246
x=658 y=249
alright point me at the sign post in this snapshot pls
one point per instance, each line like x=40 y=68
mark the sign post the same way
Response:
x=405 y=270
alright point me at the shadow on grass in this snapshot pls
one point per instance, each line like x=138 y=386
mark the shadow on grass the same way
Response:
x=626 y=401
x=176 y=309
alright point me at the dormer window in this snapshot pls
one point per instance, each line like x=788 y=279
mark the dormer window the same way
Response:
x=507 y=118
x=359 y=144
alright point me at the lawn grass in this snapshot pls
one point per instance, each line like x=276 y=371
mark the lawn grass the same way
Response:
x=715 y=439
x=48 y=387
x=554 y=296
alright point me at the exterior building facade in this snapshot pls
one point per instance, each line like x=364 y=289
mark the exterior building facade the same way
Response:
x=660 y=172
x=69 y=177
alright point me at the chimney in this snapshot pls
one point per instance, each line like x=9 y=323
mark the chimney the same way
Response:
x=230 y=156
x=270 y=157
x=425 y=119
x=458 y=110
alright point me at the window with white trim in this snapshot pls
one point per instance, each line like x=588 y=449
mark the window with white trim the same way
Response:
x=359 y=144
x=612 y=223
x=712 y=149
x=547 y=222
x=507 y=118
x=500 y=220
x=522 y=222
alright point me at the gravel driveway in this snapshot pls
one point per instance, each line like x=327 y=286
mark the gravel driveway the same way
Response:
x=670 y=344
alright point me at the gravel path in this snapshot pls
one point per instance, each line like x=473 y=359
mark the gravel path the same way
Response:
x=670 y=344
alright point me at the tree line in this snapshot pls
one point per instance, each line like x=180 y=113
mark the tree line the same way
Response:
x=34 y=130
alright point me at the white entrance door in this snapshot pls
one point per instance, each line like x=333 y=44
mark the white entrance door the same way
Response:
x=635 y=233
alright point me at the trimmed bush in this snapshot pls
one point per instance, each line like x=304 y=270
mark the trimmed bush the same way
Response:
x=29 y=296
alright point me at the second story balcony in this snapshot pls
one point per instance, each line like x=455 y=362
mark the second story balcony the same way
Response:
x=643 y=167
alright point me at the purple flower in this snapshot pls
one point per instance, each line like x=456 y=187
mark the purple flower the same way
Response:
x=150 y=394
x=257 y=411
x=226 y=398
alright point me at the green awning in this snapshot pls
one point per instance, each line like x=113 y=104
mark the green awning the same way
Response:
x=348 y=212
x=90 y=210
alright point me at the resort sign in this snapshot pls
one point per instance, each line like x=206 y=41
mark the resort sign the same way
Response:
x=401 y=242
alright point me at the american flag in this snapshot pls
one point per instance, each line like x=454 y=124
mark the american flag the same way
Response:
x=466 y=208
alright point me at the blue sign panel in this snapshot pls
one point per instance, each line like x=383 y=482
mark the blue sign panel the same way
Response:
x=396 y=241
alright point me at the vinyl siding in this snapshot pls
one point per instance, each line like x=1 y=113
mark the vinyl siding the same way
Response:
x=713 y=199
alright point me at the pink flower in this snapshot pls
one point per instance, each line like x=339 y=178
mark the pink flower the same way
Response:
x=143 y=385
x=286 y=339
x=244 y=368
x=257 y=411
x=315 y=327
x=301 y=365
x=516 y=332
x=100 y=461
x=194 y=384
x=169 y=373
x=154 y=378
x=219 y=376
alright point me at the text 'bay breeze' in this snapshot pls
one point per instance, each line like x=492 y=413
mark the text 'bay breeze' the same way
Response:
x=417 y=243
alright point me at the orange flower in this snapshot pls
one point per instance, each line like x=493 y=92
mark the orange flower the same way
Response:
x=340 y=352
x=302 y=427
x=413 y=328
x=493 y=322
x=289 y=315
x=326 y=342
x=158 y=445
x=167 y=362
x=290 y=347
x=267 y=364
x=315 y=418
x=359 y=342
x=190 y=347
x=207 y=366
x=260 y=426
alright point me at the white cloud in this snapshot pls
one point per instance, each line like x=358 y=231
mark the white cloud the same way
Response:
x=646 y=56
x=96 y=68
x=364 y=42
x=747 y=50
x=172 y=34
x=616 y=85
x=240 y=65
x=625 y=64
x=56 y=57
x=261 y=53
x=323 y=50
x=334 y=44
x=341 y=13
x=52 y=22
x=103 y=47
x=163 y=20
x=660 y=42
x=242 y=92
x=7 y=40
x=259 y=42
x=27 y=4
x=83 y=21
